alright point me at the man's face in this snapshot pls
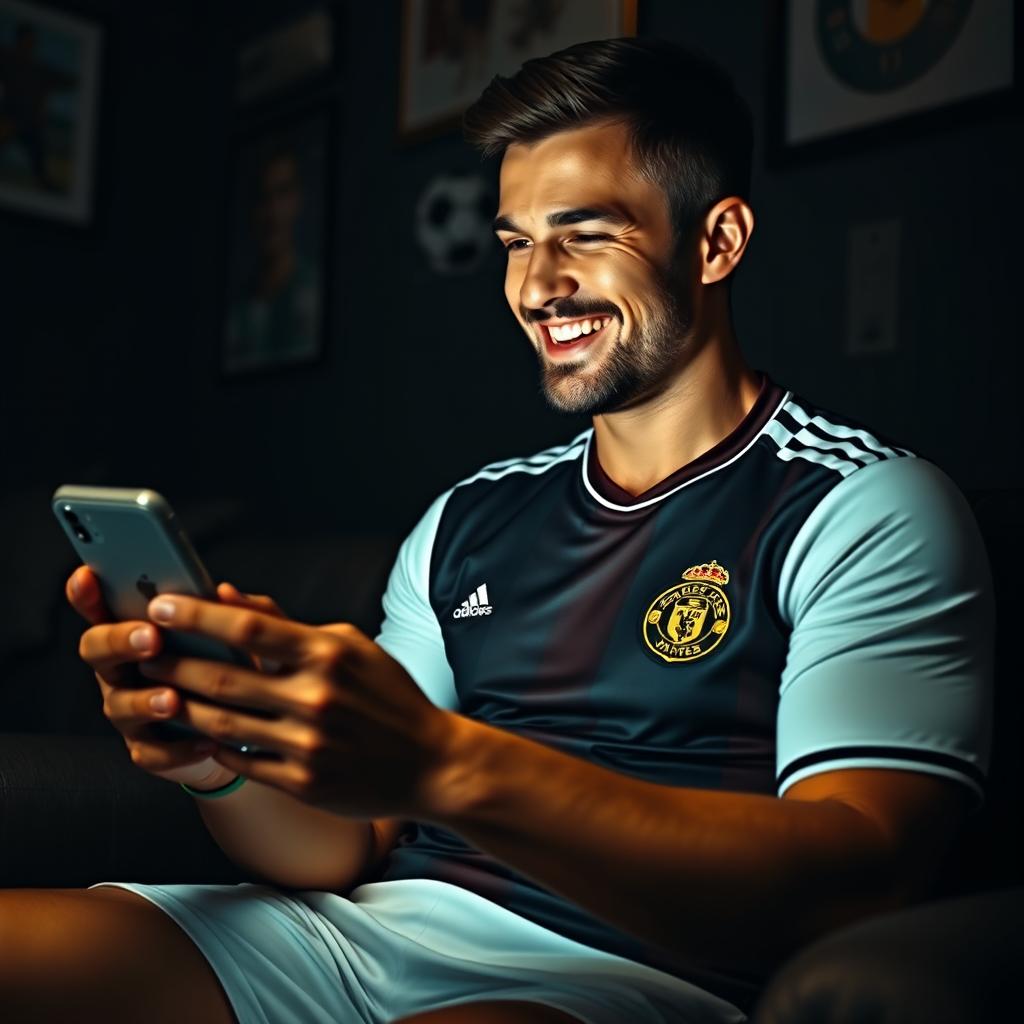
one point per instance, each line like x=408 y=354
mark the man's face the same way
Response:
x=590 y=246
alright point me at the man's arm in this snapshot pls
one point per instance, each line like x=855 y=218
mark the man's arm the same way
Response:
x=290 y=843
x=709 y=875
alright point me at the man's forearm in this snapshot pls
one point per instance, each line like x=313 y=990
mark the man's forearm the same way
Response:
x=287 y=842
x=704 y=873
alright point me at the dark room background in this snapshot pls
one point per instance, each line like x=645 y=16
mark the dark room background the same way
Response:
x=110 y=335
x=301 y=482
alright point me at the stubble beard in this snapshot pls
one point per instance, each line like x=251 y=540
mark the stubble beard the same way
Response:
x=624 y=374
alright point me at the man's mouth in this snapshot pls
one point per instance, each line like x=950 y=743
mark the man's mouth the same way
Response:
x=573 y=335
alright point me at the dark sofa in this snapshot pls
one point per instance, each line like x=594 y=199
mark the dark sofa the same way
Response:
x=74 y=810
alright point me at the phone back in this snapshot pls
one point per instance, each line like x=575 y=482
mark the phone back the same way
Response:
x=132 y=541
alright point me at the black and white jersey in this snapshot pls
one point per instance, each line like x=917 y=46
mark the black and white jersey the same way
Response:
x=806 y=596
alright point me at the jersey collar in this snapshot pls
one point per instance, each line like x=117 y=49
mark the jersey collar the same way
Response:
x=603 y=489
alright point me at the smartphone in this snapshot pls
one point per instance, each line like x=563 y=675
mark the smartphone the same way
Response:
x=133 y=542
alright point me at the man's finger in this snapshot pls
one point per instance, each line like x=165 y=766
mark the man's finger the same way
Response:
x=131 y=709
x=231 y=727
x=107 y=646
x=83 y=593
x=254 y=631
x=232 y=595
x=223 y=683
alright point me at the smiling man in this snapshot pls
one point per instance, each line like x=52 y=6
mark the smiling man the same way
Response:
x=648 y=710
x=622 y=252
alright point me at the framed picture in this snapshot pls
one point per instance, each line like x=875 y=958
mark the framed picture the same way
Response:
x=276 y=282
x=292 y=53
x=844 y=74
x=450 y=51
x=49 y=76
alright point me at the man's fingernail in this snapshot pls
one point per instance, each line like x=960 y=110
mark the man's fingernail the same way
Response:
x=162 y=611
x=140 y=639
x=161 y=701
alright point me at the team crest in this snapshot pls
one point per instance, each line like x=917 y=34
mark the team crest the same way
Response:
x=689 y=620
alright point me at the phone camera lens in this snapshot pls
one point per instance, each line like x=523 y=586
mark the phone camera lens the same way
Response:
x=76 y=524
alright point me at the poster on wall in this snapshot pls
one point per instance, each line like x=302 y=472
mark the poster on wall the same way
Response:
x=49 y=74
x=276 y=279
x=450 y=51
x=844 y=73
x=273 y=63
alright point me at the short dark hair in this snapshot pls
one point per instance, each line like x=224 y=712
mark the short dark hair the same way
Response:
x=692 y=133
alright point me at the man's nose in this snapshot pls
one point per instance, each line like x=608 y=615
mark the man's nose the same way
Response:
x=547 y=279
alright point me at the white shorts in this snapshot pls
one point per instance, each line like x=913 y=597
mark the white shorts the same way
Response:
x=391 y=949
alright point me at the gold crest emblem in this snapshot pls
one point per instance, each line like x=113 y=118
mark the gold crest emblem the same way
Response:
x=689 y=620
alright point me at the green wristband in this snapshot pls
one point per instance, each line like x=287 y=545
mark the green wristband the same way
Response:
x=213 y=794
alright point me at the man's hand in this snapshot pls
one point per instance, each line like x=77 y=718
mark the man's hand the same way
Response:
x=349 y=729
x=111 y=649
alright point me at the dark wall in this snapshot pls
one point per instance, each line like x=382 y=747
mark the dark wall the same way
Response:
x=109 y=337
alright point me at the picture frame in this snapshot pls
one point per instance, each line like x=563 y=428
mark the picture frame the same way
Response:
x=446 y=60
x=287 y=57
x=49 y=112
x=275 y=289
x=845 y=76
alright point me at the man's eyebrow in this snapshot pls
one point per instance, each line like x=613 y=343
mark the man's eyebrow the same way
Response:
x=562 y=217
x=605 y=213
x=503 y=223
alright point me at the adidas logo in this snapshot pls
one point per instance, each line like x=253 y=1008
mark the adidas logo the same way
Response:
x=476 y=604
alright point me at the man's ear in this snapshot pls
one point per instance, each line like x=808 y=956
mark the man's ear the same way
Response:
x=727 y=230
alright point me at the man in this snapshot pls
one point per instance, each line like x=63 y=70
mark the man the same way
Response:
x=705 y=682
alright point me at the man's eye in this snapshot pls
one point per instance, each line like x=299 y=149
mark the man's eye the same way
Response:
x=590 y=238
x=514 y=244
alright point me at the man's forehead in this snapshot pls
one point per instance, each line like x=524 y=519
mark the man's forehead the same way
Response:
x=567 y=156
x=569 y=170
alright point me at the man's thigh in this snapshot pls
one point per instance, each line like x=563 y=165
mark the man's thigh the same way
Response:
x=101 y=954
x=493 y=1012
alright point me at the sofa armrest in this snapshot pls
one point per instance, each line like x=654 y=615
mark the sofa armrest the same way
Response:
x=75 y=810
x=938 y=963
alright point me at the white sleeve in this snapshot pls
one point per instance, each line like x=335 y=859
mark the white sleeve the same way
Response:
x=410 y=632
x=888 y=590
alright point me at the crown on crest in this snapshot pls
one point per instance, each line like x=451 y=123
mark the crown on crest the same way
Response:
x=707 y=571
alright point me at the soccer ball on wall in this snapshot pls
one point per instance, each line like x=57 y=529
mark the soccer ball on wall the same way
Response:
x=453 y=222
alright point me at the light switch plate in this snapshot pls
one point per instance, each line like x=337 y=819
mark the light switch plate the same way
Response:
x=872 y=289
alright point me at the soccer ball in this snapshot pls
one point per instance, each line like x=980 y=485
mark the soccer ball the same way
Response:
x=453 y=222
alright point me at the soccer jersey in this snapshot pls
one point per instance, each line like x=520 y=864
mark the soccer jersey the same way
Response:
x=806 y=596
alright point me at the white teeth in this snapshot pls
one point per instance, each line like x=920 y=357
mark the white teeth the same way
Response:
x=569 y=332
x=566 y=332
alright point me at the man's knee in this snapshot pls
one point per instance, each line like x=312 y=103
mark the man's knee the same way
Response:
x=108 y=952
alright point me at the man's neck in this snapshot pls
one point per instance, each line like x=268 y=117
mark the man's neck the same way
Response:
x=707 y=401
